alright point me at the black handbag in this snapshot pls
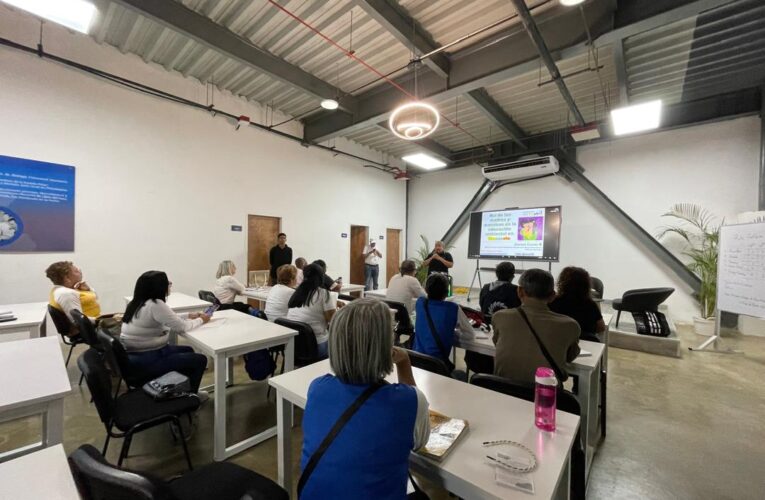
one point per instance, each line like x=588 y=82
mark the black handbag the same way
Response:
x=168 y=386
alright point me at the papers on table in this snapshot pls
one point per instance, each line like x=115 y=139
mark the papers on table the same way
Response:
x=584 y=353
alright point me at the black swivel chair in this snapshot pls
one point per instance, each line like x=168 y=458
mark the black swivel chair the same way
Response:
x=428 y=363
x=306 y=348
x=403 y=320
x=65 y=328
x=597 y=287
x=133 y=411
x=565 y=401
x=641 y=300
x=208 y=296
x=96 y=479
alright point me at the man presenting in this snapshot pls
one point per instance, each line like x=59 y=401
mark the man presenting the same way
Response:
x=371 y=265
x=438 y=260
x=279 y=255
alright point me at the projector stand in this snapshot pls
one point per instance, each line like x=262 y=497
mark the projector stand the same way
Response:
x=476 y=274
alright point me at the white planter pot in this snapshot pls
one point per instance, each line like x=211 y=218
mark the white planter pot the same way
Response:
x=703 y=326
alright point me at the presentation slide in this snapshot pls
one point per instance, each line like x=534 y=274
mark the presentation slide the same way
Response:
x=518 y=233
x=36 y=206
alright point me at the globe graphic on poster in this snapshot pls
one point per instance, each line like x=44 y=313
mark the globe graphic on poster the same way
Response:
x=11 y=226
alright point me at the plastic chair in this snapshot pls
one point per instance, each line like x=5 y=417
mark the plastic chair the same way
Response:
x=429 y=363
x=208 y=296
x=306 y=348
x=117 y=358
x=403 y=320
x=65 y=328
x=641 y=300
x=96 y=479
x=597 y=286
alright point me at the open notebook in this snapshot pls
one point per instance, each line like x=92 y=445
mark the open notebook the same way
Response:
x=444 y=433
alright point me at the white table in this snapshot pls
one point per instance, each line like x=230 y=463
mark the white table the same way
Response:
x=34 y=382
x=589 y=394
x=231 y=333
x=261 y=293
x=182 y=303
x=42 y=474
x=380 y=293
x=29 y=318
x=490 y=415
x=350 y=288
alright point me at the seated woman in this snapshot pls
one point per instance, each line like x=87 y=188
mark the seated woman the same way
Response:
x=404 y=287
x=369 y=458
x=228 y=287
x=326 y=281
x=313 y=304
x=145 y=330
x=300 y=263
x=574 y=300
x=447 y=319
x=277 y=302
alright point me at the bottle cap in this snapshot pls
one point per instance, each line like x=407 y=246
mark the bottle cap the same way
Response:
x=545 y=376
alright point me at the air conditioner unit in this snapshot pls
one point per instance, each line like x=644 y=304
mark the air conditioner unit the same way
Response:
x=522 y=169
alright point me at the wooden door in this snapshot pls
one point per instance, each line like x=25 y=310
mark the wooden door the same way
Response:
x=359 y=239
x=261 y=236
x=392 y=254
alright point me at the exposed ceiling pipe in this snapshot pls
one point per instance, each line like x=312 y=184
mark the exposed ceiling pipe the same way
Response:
x=536 y=37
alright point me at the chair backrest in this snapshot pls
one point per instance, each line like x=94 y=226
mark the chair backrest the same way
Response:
x=597 y=285
x=208 y=296
x=344 y=296
x=117 y=357
x=565 y=401
x=96 y=479
x=306 y=348
x=429 y=363
x=99 y=382
x=87 y=329
x=645 y=299
x=402 y=315
x=60 y=321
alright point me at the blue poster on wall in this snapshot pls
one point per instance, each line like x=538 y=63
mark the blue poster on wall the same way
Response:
x=36 y=206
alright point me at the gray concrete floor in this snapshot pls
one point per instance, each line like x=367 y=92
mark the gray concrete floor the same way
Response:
x=689 y=428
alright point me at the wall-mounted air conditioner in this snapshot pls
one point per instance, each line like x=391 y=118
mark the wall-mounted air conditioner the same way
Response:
x=522 y=169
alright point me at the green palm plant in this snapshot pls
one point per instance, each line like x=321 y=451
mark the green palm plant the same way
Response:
x=701 y=235
x=422 y=253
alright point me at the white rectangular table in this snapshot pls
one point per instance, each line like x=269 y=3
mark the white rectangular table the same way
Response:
x=231 y=333
x=34 y=382
x=30 y=318
x=490 y=415
x=380 y=293
x=182 y=303
x=42 y=474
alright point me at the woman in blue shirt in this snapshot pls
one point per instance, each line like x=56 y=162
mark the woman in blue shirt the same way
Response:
x=369 y=457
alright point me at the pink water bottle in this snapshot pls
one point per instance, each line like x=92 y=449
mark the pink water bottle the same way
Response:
x=544 y=399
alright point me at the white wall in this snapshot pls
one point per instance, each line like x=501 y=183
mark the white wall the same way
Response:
x=158 y=185
x=714 y=165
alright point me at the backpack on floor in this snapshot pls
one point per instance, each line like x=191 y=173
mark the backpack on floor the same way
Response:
x=259 y=364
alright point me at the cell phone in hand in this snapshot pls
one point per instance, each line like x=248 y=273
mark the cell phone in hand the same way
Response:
x=210 y=310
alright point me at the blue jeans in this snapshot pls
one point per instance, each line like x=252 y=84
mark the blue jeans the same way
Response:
x=323 y=350
x=179 y=358
x=371 y=274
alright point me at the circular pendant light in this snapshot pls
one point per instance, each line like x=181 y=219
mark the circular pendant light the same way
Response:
x=329 y=104
x=414 y=120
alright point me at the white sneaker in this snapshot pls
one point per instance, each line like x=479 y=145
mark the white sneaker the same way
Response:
x=204 y=396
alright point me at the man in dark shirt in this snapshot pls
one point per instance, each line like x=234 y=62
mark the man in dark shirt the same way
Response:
x=501 y=294
x=279 y=255
x=439 y=261
x=326 y=281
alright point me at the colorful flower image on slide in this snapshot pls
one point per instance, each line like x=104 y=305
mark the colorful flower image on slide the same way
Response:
x=11 y=226
x=531 y=228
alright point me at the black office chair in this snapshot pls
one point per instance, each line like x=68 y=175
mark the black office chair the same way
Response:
x=641 y=300
x=306 y=348
x=87 y=329
x=96 y=479
x=65 y=328
x=208 y=296
x=565 y=401
x=344 y=296
x=403 y=320
x=133 y=411
x=429 y=363
x=597 y=287
x=117 y=358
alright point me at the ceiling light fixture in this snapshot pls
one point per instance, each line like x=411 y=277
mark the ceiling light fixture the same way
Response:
x=74 y=14
x=329 y=104
x=637 y=118
x=414 y=120
x=570 y=3
x=424 y=161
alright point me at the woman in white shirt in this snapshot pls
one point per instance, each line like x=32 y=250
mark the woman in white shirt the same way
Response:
x=228 y=287
x=404 y=287
x=277 y=302
x=313 y=304
x=145 y=331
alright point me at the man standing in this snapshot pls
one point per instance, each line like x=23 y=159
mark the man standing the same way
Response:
x=371 y=265
x=279 y=255
x=438 y=260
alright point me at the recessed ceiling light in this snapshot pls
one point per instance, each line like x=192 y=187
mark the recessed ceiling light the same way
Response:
x=329 y=104
x=424 y=161
x=74 y=14
x=637 y=118
x=570 y=3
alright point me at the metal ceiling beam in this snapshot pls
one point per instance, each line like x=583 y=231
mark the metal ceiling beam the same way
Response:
x=544 y=53
x=407 y=31
x=761 y=203
x=205 y=31
x=484 y=102
x=621 y=73
x=500 y=58
x=427 y=144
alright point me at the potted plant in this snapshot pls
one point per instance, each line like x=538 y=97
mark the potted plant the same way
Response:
x=700 y=235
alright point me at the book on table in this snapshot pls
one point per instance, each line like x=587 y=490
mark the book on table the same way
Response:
x=444 y=433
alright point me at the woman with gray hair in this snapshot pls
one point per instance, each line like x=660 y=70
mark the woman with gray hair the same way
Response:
x=228 y=287
x=369 y=457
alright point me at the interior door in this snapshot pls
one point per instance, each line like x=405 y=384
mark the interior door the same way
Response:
x=261 y=236
x=392 y=254
x=359 y=239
